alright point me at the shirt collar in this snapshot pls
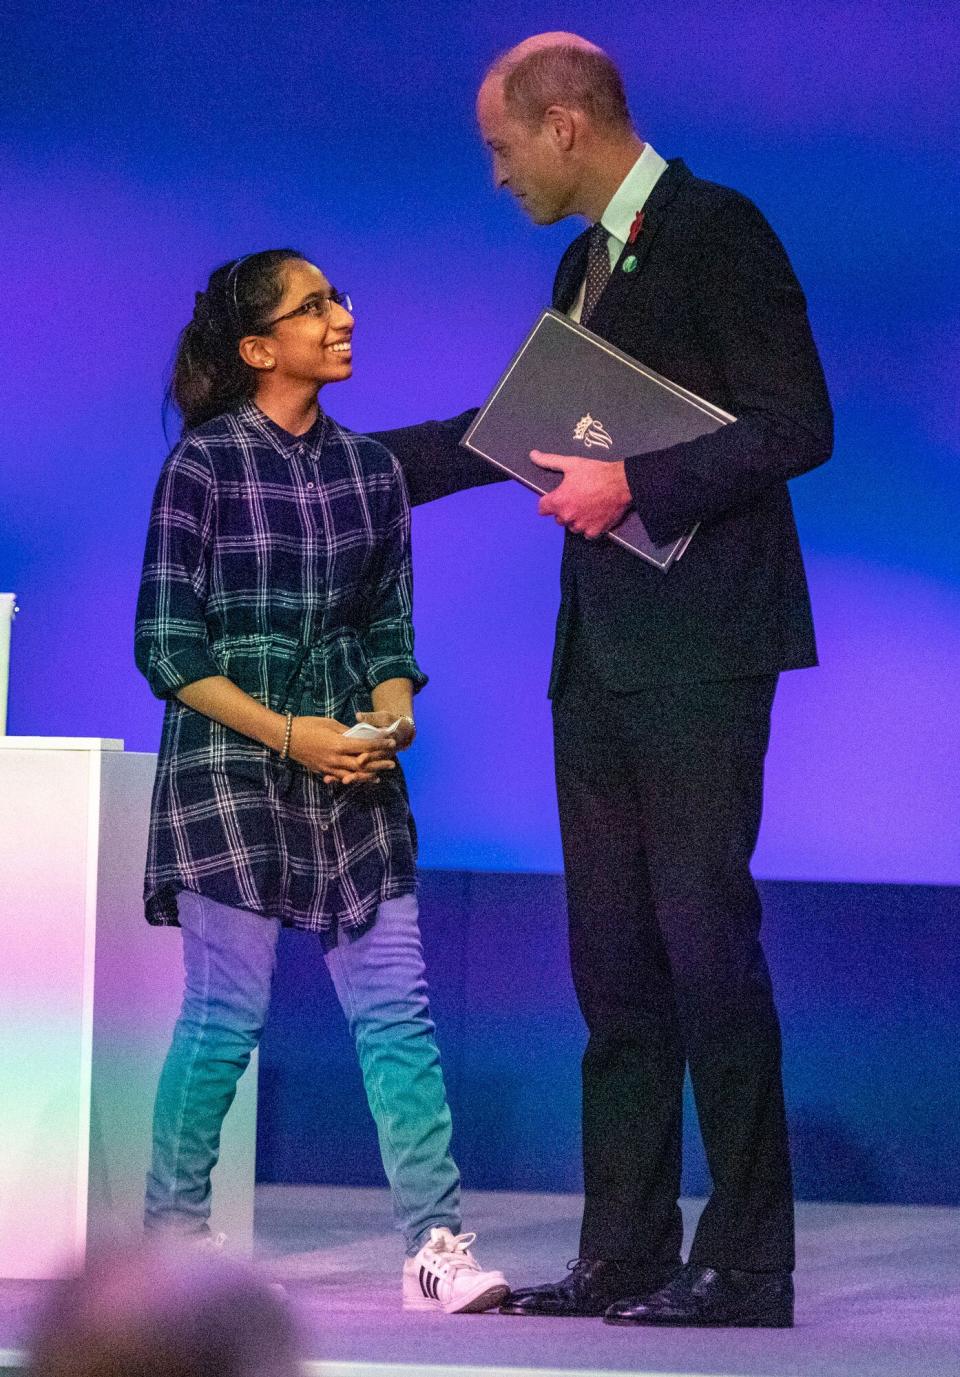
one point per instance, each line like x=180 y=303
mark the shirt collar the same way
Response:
x=250 y=413
x=632 y=192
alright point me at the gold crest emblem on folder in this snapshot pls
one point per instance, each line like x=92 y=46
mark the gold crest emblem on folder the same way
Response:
x=591 y=433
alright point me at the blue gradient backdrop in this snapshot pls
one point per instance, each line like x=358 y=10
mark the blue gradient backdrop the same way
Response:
x=142 y=144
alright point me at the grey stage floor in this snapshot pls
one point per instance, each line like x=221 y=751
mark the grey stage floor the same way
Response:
x=878 y=1296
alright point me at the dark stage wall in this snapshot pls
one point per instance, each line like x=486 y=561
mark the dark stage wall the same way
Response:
x=868 y=982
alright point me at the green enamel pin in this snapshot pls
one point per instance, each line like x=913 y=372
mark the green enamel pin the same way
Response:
x=630 y=264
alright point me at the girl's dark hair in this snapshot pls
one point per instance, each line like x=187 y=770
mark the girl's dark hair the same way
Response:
x=209 y=377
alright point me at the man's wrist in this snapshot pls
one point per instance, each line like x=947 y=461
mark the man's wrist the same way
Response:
x=622 y=486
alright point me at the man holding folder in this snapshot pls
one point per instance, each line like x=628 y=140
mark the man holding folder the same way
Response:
x=662 y=688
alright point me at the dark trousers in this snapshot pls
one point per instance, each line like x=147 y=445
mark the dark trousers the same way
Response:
x=660 y=797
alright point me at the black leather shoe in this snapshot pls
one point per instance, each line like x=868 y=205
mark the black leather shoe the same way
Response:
x=589 y=1288
x=702 y=1296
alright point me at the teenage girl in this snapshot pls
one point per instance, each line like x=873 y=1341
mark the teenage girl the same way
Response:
x=274 y=615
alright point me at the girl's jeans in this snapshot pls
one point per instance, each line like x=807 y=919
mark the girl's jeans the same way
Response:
x=380 y=980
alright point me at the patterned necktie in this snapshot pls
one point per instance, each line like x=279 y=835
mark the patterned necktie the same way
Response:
x=598 y=271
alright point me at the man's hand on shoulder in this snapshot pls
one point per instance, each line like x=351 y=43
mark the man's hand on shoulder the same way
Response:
x=593 y=497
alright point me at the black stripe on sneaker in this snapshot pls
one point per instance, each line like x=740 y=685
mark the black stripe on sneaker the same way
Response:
x=434 y=1284
x=423 y=1283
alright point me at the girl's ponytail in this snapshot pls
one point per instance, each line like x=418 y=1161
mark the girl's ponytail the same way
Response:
x=209 y=377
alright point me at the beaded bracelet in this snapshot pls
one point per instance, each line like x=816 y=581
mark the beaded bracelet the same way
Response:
x=285 y=749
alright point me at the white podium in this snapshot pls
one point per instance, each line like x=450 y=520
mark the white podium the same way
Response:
x=89 y=994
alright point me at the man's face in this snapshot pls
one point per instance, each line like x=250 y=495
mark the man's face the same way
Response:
x=529 y=161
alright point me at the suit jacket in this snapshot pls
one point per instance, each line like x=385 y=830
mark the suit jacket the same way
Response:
x=714 y=305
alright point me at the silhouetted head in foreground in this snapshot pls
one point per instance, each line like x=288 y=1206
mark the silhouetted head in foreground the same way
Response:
x=145 y=1313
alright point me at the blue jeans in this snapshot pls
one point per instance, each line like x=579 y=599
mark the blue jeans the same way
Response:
x=380 y=980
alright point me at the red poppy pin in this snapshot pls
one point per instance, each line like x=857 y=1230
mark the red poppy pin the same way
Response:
x=636 y=228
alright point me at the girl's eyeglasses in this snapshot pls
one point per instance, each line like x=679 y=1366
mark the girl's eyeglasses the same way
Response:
x=315 y=306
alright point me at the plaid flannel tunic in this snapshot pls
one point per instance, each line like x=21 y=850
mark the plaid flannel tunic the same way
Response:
x=282 y=562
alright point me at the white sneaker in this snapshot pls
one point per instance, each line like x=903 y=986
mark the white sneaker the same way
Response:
x=445 y=1275
x=213 y=1245
x=188 y=1245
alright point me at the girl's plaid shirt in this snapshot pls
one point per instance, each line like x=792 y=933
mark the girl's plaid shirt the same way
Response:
x=282 y=562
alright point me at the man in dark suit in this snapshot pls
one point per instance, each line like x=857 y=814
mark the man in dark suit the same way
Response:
x=662 y=688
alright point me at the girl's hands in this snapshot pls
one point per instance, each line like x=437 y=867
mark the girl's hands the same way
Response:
x=404 y=734
x=318 y=743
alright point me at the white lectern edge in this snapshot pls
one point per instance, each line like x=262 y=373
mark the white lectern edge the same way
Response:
x=59 y=743
x=95 y=747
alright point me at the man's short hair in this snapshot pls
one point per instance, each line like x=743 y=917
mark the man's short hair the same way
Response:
x=576 y=78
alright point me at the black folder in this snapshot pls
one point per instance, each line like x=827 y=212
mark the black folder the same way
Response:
x=567 y=391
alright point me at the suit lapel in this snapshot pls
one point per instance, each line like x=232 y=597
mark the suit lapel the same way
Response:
x=656 y=212
x=573 y=264
x=571 y=272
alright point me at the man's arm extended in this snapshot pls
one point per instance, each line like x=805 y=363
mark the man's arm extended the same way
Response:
x=432 y=461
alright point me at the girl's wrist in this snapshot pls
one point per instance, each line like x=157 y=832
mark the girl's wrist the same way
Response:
x=401 y=709
x=274 y=732
x=398 y=715
x=287 y=736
